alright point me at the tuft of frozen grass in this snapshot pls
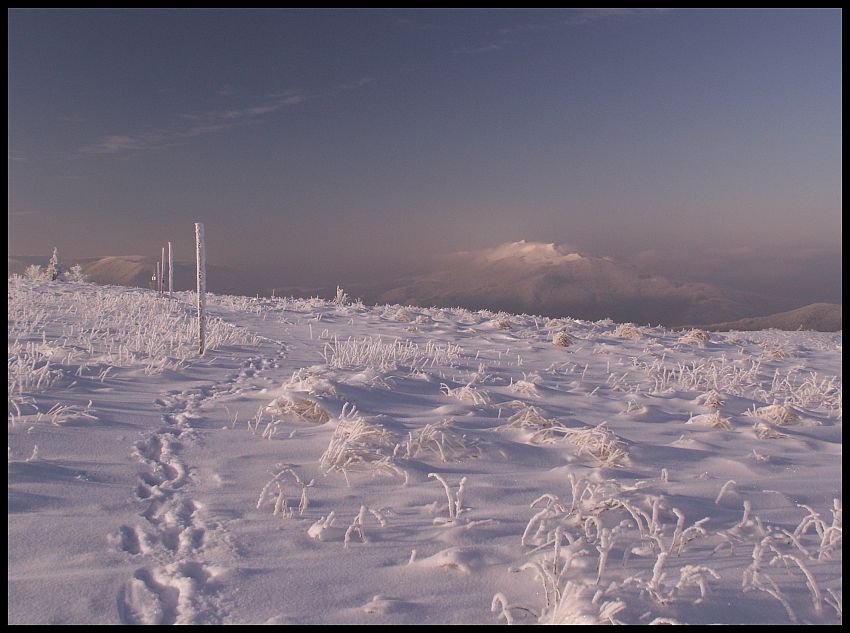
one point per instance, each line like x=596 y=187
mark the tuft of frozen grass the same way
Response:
x=696 y=338
x=342 y=299
x=765 y=431
x=441 y=440
x=467 y=393
x=527 y=386
x=562 y=339
x=600 y=443
x=311 y=380
x=713 y=420
x=530 y=418
x=374 y=353
x=304 y=408
x=778 y=414
x=402 y=315
x=711 y=399
x=357 y=445
x=628 y=330
x=501 y=323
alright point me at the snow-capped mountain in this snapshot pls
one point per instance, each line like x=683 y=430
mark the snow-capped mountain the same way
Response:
x=538 y=278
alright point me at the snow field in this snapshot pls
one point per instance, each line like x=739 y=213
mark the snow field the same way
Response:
x=329 y=462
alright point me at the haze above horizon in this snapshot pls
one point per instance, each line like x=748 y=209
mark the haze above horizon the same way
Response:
x=327 y=146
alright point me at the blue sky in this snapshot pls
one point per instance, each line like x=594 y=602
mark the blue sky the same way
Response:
x=331 y=144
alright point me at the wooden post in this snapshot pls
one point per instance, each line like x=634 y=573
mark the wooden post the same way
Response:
x=202 y=286
x=170 y=271
x=158 y=277
x=162 y=268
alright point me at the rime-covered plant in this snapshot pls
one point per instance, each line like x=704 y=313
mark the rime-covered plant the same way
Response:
x=441 y=440
x=274 y=493
x=627 y=330
x=359 y=523
x=358 y=445
x=467 y=393
x=306 y=409
x=455 y=499
x=341 y=299
x=561 y=339
x=54 y=268
x=76 y=274
x=34 y=273
x=697 y=338
x=714 y=420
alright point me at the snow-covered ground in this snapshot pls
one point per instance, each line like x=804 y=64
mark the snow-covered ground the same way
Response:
x=336 y=463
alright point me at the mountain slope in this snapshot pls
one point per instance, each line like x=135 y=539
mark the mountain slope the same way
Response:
x=137 y=270
x=546 y=279
x=821 y=317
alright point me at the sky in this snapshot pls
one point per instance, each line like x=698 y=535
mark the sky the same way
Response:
x=331 y=145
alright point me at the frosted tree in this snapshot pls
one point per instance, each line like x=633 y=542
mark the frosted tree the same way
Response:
x=54 y=268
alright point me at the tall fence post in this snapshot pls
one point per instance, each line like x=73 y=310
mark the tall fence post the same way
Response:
x=170 y=271
x=202 y=286
x=162 y=269
x=158 y=278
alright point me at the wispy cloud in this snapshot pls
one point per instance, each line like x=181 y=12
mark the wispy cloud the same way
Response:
x=486 y=48
x=586 y=16
x=195 y=124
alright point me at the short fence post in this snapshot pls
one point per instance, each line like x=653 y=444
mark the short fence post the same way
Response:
x=202 y=286
x=170 y=271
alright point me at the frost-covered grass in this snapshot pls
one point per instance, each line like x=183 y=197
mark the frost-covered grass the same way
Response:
x=328 y=462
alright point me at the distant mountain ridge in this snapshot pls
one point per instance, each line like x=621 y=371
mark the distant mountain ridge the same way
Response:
x=520 y=277
x=137 y=270
x=548 y=279
x=821 y=317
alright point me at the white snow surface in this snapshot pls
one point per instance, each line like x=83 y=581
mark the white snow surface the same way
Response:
x=329 y=462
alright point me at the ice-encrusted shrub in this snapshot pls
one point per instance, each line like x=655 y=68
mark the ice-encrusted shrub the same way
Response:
x=34 y=273
x=562 y=339
x=423 y=319
x=75 y=274
x=441 y=440
x=402 y=315
x=358 y=445
x=714 y=420
x=697 y=338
